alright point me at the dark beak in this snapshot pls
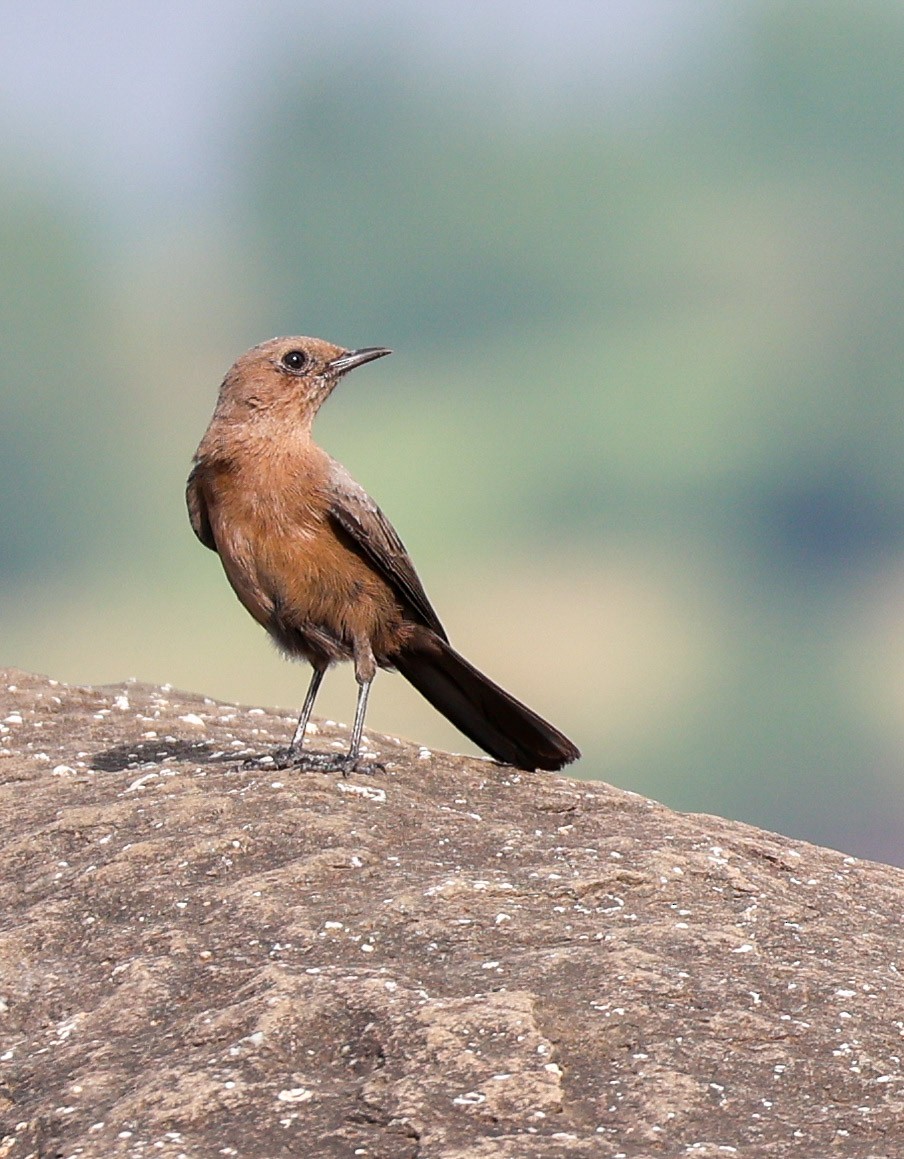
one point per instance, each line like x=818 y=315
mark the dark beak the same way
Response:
x=352 y=358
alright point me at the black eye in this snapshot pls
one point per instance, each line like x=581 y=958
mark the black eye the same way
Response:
x=295 y=360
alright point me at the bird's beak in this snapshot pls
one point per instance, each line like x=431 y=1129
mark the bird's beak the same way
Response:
x=352 y=358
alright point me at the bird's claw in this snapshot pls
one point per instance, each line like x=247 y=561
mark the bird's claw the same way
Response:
x=349 y=765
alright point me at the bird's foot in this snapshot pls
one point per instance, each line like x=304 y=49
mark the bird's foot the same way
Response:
x=305 y=760
x=347 y=764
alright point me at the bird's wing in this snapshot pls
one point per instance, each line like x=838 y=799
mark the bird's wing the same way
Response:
x=371 y=535
x=197 y=508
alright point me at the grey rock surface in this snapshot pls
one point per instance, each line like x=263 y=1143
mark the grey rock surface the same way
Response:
x=446 y=960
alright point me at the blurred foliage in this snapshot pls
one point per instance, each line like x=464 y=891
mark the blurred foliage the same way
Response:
x=648 y=368
x=43 y=322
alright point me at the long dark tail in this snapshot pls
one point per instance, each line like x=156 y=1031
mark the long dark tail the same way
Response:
x=504 y=727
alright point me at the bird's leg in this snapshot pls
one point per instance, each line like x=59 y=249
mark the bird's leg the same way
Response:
x=306 y=709
x=295 y=757
x=365 y=671
x=358 y=727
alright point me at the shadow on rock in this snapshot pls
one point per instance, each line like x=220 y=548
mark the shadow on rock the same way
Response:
x=153 y=752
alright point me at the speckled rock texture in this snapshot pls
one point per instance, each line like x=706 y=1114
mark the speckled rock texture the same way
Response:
x=446 y=960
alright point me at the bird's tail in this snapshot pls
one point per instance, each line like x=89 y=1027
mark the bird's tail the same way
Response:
x=501 y=725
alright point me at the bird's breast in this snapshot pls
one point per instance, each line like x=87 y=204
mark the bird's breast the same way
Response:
x=291 y=571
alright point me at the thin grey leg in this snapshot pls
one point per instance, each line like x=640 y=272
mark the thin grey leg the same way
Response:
x=358 y=726
x=307 y=709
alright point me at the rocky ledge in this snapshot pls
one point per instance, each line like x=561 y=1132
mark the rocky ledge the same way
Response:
x=201 y=956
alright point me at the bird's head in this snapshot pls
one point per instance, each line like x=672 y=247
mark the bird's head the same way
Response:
x=288 y=378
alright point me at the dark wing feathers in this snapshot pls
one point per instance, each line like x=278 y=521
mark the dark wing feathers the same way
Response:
x=197 y=509
x=353 y=512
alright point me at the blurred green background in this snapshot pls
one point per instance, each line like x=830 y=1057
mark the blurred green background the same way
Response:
x=642 y=266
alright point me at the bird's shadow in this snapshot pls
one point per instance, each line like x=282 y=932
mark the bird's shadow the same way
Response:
x=202 y=752
x=133 y=756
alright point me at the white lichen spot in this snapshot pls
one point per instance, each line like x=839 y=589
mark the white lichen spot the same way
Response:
x=470 y=1099
x=140 y=782
x=295 y=1095
x=368 y=792
x=193 y=719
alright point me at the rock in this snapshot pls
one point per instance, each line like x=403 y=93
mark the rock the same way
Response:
x=447 y=960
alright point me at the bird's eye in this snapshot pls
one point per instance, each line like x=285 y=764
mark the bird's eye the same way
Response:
x=295 y=360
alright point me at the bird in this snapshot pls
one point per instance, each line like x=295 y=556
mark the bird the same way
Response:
x=316 y=562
